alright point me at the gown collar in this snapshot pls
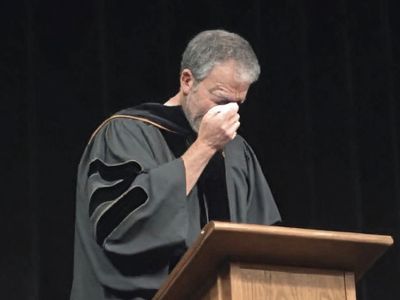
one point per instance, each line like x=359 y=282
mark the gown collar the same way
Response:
x=170 y=117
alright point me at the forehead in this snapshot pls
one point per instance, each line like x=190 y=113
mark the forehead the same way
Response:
x=226 y=77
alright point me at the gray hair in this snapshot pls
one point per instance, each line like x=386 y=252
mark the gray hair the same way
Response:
x=211 y=47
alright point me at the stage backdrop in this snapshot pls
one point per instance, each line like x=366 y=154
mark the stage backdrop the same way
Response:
x=323 y=118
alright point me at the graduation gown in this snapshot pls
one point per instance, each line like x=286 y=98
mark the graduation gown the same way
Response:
x=133 y=218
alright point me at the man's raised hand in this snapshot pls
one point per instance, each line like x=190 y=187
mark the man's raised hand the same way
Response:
x=219 y=125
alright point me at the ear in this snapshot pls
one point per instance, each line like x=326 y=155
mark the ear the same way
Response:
x=187 y=81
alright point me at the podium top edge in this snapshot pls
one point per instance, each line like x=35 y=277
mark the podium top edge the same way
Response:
x=385 y=240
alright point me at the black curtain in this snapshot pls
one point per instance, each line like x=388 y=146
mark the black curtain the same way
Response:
x=323 y=118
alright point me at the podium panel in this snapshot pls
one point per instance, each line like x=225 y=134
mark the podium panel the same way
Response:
x=238 y=281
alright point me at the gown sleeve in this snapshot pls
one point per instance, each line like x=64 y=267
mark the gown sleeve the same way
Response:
x=261 y=207
x=135 y=191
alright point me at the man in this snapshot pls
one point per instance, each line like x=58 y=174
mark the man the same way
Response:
x=152 y=175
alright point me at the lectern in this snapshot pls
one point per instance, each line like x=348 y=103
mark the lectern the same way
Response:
x=237 y=261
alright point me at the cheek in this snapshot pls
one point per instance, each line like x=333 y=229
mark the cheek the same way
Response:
x=192 y=107
x=205 y=104
x=199 y=104
x=196 y=104
x=204 y=108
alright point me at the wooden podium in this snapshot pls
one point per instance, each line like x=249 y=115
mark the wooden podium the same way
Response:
x=237 y=261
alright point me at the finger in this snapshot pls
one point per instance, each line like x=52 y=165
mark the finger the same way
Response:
x=233 y=128
x=234 y=118
x=237 y=125
x=229 y=117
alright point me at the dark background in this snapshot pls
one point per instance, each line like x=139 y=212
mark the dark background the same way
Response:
x=323 y=118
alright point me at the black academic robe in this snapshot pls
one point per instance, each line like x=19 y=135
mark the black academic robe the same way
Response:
x=133 y=218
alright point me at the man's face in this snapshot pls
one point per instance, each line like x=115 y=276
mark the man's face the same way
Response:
x=222 y=85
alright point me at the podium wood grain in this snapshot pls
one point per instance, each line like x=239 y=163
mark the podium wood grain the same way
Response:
x=276 y=283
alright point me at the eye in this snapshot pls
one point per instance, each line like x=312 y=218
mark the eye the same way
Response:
x=224 y=101
x=220 y=100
